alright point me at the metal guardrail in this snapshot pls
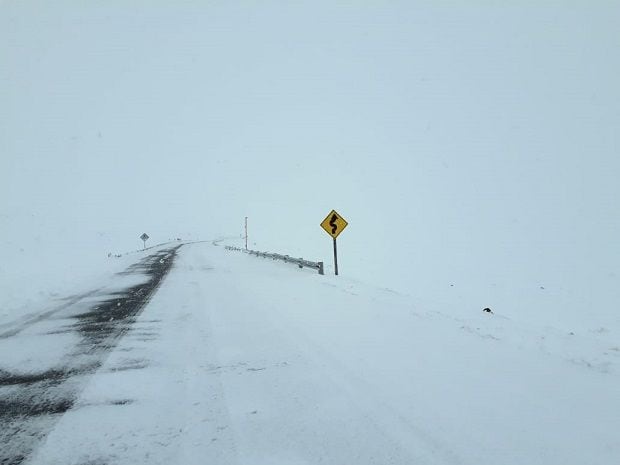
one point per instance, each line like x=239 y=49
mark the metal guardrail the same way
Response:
x=300 y=262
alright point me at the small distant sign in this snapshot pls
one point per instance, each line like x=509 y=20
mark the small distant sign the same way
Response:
x=334 y=224
x=144 y=237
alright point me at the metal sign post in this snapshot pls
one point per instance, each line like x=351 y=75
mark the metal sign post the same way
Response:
x=144 y=238
x=246 y=233
x=335 y=257
x=333 y=225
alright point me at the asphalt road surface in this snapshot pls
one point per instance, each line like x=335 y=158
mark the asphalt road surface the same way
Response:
x=93 y=322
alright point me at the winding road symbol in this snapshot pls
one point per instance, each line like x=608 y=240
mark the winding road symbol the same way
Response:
x=333 y=224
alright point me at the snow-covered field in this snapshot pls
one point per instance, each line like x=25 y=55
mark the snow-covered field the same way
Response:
x=238 y=360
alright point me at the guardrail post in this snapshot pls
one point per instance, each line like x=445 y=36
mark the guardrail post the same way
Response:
x=321 y=270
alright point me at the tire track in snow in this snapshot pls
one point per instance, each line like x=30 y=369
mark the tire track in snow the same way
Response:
x=24 y=323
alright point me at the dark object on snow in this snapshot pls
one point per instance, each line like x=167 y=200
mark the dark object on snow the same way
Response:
x=487 y=310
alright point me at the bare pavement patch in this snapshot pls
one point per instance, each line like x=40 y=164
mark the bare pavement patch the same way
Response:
x=47 y=359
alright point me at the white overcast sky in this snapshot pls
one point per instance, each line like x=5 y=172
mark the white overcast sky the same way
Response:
x=459 y=139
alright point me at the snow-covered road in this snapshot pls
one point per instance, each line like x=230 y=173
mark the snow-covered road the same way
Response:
x=239 y=360
x=48 y=356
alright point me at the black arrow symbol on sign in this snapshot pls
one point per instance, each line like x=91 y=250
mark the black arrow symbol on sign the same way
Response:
x=332 y=223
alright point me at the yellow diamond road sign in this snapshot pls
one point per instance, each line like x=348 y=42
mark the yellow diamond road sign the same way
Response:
x=334 y=224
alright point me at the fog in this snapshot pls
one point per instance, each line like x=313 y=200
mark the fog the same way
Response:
x=472 y=146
